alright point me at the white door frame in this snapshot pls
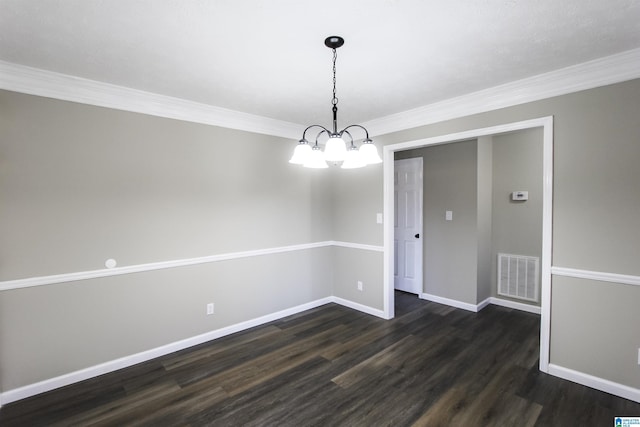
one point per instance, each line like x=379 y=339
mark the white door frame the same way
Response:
x=547 y=208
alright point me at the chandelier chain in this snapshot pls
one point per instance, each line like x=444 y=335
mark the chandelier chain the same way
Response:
x=334 y=101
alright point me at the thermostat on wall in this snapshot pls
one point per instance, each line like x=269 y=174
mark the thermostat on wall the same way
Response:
x=520 y=195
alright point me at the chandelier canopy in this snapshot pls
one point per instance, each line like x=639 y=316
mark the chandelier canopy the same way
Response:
x=339 y=147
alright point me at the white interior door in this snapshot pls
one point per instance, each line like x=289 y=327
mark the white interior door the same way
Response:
x=408 y=225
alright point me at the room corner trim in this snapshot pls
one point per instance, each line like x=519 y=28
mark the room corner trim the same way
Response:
x=450 y=302
x=478 y=307
x=597 y=383
x=515 y=305
x=359 y=307
x=34 y=81
x=588 y=75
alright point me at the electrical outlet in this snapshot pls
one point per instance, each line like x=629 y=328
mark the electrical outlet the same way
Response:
x=209 y=308
x=359 y=285
x=639 y=356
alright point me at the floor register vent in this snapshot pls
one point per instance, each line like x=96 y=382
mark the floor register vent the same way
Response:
x=518 y=276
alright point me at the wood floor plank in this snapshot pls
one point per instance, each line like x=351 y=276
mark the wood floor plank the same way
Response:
x=331 y=366
x=102 y=413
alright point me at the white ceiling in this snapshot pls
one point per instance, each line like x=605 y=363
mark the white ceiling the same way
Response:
x=267 y=57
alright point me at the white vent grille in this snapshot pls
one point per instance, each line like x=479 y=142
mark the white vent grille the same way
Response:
x=518 y=276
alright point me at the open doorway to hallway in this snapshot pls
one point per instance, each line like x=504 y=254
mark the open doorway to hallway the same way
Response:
x=460 y=262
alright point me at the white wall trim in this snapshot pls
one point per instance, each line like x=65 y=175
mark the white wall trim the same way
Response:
x=359 y=307
x=106 y=272
x=483 y=304
x=599 y=72
x=34 y=81
x=515 y=305
x=450 y=302
x=358 y=246
x=597 y=383
x=478 y=307
x=138 y=268
x=596 y=275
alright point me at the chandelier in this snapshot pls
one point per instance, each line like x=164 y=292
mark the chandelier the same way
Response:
x=340 y=146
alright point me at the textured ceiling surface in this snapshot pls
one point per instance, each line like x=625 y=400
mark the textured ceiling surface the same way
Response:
x=268 y=57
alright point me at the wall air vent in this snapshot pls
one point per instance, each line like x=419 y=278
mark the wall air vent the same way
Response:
x=518 y=276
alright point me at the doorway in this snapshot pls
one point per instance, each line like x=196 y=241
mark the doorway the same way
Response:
x=546 y=123
x=407 y=243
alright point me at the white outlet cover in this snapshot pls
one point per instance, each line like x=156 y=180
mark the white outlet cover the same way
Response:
x=448 y=215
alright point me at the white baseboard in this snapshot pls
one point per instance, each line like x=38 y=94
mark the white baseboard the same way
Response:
x=477 y=307
x=94 y=371
x=451 y=302
x=597 y=383
x=123 y=362
x=483 y=304
x=359 y=307
x=515 y=305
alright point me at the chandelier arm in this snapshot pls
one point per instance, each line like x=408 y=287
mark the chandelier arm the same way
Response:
x=345 y=131
x=356 y=126
x=324 y=129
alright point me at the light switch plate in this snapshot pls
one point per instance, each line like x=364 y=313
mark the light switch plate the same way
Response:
x=448 y=215
x=379 y=218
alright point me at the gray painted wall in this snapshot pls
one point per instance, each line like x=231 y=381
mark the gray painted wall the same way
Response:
x=353 y=265
x=504 y=163
x=450 y=252
x=52 y=330
x=596 y=328
x=517 y=225
x=595 y=215
x=81 y=184
x=596 y=201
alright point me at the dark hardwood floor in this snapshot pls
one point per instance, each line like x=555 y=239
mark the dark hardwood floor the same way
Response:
x=432 y=365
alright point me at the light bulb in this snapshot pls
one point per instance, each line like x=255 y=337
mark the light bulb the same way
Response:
x=301 y=153
x=353 y=159
x=315 y=159
x=369 y=152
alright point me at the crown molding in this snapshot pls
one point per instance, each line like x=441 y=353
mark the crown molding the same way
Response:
x=34 y=81
x=599 y=72
x=588 y=75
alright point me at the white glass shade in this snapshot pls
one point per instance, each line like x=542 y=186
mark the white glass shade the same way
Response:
x=369 y=153
x=315 y=159
x=300 y=154
x=335 y=150
x=353 y=159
